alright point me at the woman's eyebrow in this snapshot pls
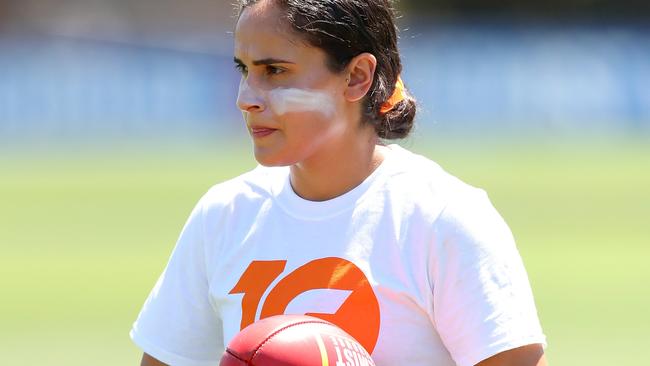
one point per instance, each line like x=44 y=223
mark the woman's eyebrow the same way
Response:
x=266 y=61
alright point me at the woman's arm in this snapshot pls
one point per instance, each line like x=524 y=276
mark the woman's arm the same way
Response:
x=531 y=355
x=150 y=361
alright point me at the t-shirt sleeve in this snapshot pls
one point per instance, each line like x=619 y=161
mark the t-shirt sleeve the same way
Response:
x=177 y=324
x=483 y=303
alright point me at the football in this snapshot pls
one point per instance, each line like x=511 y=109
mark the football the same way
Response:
x=294 y=340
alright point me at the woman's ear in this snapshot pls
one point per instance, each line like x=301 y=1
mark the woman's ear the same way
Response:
x=361 y=73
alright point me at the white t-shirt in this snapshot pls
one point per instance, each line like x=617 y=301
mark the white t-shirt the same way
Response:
x=415 y=264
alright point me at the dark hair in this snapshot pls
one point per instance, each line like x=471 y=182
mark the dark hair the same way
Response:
x=346 y=28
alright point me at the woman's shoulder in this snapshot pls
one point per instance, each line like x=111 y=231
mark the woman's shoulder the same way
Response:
x=421 y=174
x=462 y=214
x=447 y=198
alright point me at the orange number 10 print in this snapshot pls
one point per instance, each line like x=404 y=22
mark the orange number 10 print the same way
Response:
x=358 y=315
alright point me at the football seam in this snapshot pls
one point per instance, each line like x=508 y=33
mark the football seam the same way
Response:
x=265 y=341
x=233 y=354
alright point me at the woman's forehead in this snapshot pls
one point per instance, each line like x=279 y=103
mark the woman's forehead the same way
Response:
x=261 y=29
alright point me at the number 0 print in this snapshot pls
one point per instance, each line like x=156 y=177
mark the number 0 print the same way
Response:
x=358 y=315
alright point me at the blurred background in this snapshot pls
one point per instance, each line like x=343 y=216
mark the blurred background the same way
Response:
x=116 y=116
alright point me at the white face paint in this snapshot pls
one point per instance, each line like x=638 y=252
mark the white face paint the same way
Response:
x=287 y=100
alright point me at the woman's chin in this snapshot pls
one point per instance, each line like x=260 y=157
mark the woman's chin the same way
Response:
x=269 y=159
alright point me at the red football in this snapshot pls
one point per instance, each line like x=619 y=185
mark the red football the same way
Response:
x=294 y=340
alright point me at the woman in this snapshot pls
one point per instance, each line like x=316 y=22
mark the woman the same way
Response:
x=413 y=263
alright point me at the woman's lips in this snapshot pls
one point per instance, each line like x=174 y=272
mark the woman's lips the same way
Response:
x=260 y=132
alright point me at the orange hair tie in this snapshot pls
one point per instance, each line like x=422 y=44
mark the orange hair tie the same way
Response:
x=398 y=95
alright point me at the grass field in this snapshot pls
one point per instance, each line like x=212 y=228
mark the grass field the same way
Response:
x=84 y=235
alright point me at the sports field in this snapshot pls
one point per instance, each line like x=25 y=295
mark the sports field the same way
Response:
x=84 y=235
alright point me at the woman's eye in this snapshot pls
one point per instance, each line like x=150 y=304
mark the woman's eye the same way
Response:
x=273 y=70
x=241 y=68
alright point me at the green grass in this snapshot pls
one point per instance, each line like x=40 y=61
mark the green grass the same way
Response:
x=84 y=235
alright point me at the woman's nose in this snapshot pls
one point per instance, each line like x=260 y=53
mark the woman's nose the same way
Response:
x=249 y=98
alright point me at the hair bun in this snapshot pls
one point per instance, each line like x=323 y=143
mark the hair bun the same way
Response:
x=398 y=122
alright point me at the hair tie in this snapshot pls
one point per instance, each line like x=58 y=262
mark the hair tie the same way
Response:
x=398 y=95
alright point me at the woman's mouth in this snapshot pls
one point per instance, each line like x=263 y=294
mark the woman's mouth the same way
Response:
x=259 y=132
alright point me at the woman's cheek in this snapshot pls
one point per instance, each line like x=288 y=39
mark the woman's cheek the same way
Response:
x=283 y=101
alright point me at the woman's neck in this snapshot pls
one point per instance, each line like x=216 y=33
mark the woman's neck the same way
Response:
x=336 y=171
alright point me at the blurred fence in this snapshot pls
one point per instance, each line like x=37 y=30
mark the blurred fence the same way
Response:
x=486 y=75
x=532 y=76
x=66 y=87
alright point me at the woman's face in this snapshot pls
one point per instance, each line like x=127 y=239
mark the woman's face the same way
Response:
x=292 y=103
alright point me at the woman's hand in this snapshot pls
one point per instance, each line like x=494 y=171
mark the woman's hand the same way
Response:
x=150 y=361
x=530 y=355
